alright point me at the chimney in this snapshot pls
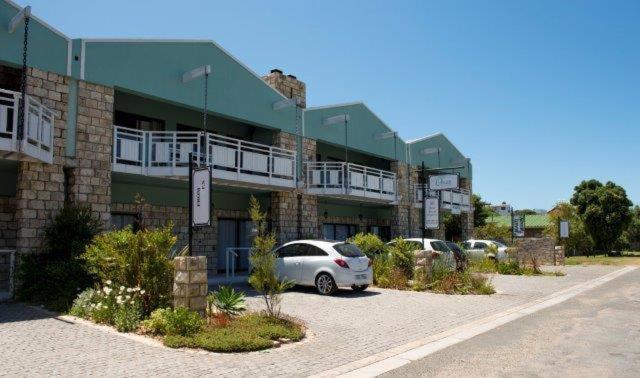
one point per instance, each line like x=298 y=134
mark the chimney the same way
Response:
x=288 y=85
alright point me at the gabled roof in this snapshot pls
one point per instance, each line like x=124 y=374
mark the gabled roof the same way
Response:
x=449 y=155
x=155 y=68
x=364 y=129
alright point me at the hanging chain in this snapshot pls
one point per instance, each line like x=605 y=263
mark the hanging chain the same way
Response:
x=23 y=83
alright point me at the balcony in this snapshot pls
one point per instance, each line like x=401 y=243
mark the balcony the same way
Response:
x=37 y=141
x=454 y=199
x=351 y=181
x=233 y=161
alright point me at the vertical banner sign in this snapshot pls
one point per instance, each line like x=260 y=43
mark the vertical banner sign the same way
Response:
x=517 y=225
x=201 y=197
x=432 y=214
x=564 y=229
x=444 y=182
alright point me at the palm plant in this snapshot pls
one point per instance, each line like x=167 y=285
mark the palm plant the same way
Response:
x=227 y=301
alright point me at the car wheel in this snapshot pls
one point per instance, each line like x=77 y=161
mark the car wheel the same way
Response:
x=325 y=284
x=358 y=288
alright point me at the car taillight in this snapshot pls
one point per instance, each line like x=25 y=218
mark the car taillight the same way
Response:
x=342 y=263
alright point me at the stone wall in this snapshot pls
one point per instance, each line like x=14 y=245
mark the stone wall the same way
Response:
x=190 y=283
x=543 y=250
x=90 y=179
x=8 y=226
x=40 y=188
x=400 y=211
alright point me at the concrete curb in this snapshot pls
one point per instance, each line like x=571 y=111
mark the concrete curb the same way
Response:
x=404 y=354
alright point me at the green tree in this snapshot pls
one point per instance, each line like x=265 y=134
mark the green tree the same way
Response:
x=605 y=211
x=633 y=231
x=481 y=211
x=525 y=212
x=493 y=231
x=578 y=242
x=263 y=262
x=452 y=225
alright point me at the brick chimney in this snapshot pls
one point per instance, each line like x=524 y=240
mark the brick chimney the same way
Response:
x=288 y=85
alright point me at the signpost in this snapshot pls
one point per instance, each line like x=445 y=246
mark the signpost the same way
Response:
x=432 y=214
x=517 y=225
x=199 y=197
x=444 y=181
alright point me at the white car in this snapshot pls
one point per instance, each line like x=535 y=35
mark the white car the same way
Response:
x=434 y=245
x=327 y=265
x=475 y=248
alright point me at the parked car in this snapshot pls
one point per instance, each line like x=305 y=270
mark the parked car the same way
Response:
x=461 y=258
x=325 y=264
x=447 y=256
x=475 y=249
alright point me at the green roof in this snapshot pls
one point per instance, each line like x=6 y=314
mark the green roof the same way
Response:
x=530 y=221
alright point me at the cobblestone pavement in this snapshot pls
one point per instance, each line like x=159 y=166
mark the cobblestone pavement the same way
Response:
x=345 y=328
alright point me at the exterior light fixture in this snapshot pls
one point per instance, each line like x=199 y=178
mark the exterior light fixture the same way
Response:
x=24 y=14
x=194 y=74
x=340 y=119
x=387 y=135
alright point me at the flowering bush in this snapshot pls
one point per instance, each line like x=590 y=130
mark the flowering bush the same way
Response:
x=117 y=306
x=178 y=321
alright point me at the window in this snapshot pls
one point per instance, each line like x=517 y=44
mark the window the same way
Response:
x=466 y=245
x=315 y=251
x=383 y=232
x=138 y=122
x=293 y=250
x=348 y=250
x=480 y=245
x=439 y=246
x=122 y=220
x=336 y=231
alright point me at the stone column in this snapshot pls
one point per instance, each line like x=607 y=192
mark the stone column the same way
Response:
x=400 y=210
x=90 y=179
x=40 y=186
x=190 y=283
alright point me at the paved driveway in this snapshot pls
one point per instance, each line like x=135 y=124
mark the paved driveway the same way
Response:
x=345 y=328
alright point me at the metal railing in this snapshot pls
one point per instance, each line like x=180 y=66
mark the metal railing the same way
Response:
x=339 y=178
x=166 y=153
x=449 y=199
x=37 y=137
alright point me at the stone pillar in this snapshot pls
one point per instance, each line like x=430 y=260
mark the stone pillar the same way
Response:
x=288 y=85
x=190 y=283
x=90 y=180
x=40 y=187
x=400 y=210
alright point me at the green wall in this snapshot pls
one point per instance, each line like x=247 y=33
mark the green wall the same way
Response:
x=337 y=209
x=174 y=115
x=327 y=150
x=361 y=131
x=8 y=177
x=48 y=50
x=168 y=192
x=449 y=154
x=156 y=67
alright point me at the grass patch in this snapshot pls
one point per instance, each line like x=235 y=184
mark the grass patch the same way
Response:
x=243 y=334
x=627 y=258
x=444 y=281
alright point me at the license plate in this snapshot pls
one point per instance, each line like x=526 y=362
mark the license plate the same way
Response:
x=361 y=276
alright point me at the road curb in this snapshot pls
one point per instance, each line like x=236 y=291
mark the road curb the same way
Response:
x=404 y=354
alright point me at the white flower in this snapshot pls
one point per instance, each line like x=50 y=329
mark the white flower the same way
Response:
x=107 y=290
x=141 y=291
x=108 y=282
x=128 y=297
x=129 y=290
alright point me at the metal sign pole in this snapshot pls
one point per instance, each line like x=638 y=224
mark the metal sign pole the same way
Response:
x=425 y=183
x=190 y=203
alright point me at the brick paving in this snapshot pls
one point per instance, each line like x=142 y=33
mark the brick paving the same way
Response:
x=345 y=328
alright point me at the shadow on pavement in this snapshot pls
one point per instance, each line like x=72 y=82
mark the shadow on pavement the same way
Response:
x=19 y=312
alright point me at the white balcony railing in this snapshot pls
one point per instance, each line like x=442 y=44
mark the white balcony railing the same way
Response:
x=352 y=180
x=449 y=199
x=166 y=153
x=37 y=137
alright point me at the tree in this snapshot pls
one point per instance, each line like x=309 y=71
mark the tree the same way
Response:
x=525 y=212
x=493 y=231
x=605 y=211
x=578 y=242
x=633 y=231
x=452 y=225
x=481 y=211
x=263 y=262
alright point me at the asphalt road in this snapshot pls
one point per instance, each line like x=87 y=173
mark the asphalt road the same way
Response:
x=595 y=334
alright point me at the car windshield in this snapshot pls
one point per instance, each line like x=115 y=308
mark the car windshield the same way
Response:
x=348 y=250
x=439 y=246
x=453 y=246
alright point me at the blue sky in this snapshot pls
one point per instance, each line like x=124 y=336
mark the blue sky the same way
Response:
x=539 y=94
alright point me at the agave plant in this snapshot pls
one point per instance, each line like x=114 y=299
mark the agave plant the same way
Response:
x=227 y=301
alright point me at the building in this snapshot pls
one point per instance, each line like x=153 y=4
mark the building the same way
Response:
x=502 y=209
x=109 y=120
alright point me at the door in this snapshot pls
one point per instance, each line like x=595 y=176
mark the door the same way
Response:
x=289 y=262
x=234 y=241
x=314 y=259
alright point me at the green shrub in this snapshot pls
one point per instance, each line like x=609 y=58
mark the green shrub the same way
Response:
x=511 y=267
x=402 y=254
x=370 y=244
x=179 y=321
x=482 y=265
x=82 y=304
x=112 y=305
x=56 y=276
x=247 y=333
x=446 y=281
x=135 y=260
x=226 y=301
